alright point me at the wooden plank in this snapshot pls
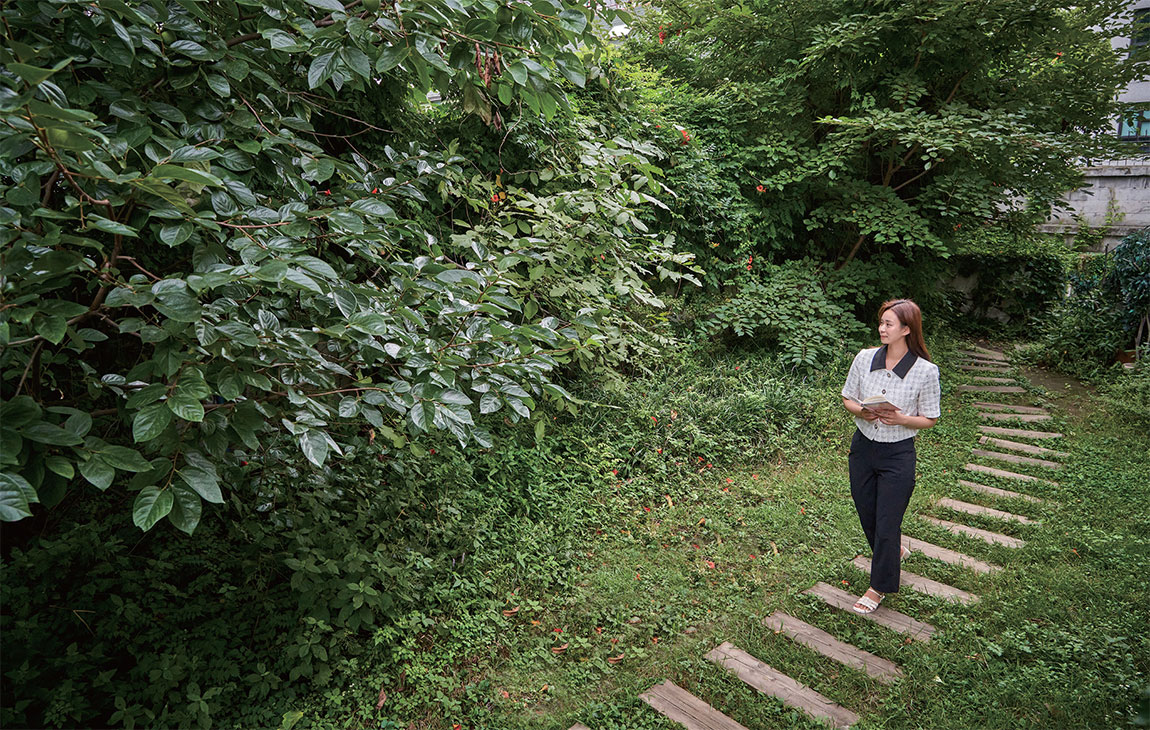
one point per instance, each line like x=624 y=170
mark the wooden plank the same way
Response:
x=1024 y=460
x=982 y=368
x=1002 y=473
x=985 y=535
x=1025 y=448
x=1024 y=417
x=992 y=380
x=686 y=709
x=1008 y=407
x=947 y=555
x=996 y=492
x=1019 y=432
x=774 y=683
x=977 y=509
x=991 y=389
x=989 y=353
x=975 y=353
x=815 y=638
x=923 y=584
x=882 y=615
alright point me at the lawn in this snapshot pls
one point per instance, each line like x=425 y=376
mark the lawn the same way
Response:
x=633 y=577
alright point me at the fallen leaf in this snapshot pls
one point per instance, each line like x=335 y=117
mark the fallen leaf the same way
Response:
x=702 y=520
x=505 y=694
x=558 y=649
x=669 y=502
x=710 y=563
x=615 y=659
x=534 y=622
x=774 y=548
x=382 y=699
x=511 y=612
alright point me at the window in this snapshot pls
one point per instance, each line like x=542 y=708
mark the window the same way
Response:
x=1135 y=127
x=1140 y=29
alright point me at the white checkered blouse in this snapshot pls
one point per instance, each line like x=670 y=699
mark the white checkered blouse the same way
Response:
x=912 y=386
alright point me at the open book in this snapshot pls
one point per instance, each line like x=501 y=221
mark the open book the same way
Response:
x=878 y=404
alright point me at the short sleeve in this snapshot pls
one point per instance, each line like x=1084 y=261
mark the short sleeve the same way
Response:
x=930 y=397
x=853 y=387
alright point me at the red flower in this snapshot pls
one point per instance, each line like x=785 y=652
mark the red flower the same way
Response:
x=760 y=188
x=494 y=198
x=1058 y=54
x=660 y=451
x=327 y=192
x=243 y=463
x=615 y=472
x=374 y=191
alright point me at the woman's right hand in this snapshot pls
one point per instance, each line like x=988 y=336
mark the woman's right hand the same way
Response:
x=868 y=414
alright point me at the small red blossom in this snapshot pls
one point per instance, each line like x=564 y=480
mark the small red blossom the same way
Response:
x=558 y=631
x=710 y=563
x=327 y=192
x=615 y=472
x=374 y=191
x=752 y=556
x=708 y=465
x=243 y=463
x=494 y=198
x=846 y=583
x=646 y=509
x=760 y=188
x=660 y=451
x=730 y=481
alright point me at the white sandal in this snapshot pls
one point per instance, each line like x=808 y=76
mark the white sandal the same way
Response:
x=869 y=604
x=904 y=553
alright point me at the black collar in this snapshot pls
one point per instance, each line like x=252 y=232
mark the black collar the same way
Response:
x=904 y=365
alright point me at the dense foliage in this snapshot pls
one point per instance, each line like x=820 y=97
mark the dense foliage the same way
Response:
x=854 y=126
x=198 y=256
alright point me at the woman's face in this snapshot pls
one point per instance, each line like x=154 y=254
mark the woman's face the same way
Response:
x=890 y=330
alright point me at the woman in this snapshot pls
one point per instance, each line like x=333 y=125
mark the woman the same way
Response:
x=882 y=459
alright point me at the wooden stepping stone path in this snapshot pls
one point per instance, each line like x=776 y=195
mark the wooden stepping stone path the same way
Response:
x=1025 y=448
x=923 y=584
x=882 y=615
x=770 y=681
x=1008 y=407
x=686 y=709
x=992 y=381
x=579 y=726
x=991 y=389
x=946 y=555
x=993 y=538
x=996 y=492
x=1006 y=474
x=1024 y=417
x=815 y=638
x=1019 y=432
x=1024 y=460
x=978 y=509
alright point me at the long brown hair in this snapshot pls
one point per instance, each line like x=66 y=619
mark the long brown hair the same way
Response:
x=909 y=315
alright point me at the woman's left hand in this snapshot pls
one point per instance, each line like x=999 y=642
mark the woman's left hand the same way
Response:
x=893 y=417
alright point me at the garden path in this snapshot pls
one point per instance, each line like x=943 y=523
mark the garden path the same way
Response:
x=695 y=714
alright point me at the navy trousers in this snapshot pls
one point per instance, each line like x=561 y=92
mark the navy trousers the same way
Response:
x=882 y=479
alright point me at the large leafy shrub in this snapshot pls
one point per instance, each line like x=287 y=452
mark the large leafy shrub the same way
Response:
x=198 y=257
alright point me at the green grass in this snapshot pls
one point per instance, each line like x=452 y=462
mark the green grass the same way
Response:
x=655 y=563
